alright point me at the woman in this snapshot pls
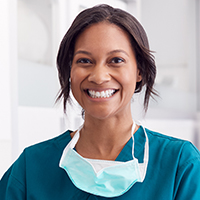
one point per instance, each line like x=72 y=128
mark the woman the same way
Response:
x=104 y=58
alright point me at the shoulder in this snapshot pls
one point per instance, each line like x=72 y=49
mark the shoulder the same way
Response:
x=170 y=142
x=36 y=162
x=177 y=162
x=55 y=144
x=181 y=151
x=40 y=155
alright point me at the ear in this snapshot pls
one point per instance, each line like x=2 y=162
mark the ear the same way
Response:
x=139 y=77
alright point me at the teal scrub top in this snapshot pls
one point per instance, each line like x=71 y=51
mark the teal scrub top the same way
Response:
x=173 y=171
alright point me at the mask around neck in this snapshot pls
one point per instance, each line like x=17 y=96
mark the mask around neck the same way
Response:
x=103 y=177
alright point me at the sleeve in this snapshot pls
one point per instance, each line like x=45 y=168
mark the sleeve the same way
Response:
x=188 y=174
x=12 y=184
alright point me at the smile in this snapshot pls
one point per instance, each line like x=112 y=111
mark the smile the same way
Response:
x=101 y=94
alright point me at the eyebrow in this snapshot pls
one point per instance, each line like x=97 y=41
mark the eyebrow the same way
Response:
x=111 y=52
x=83 y=52
x=118 y=51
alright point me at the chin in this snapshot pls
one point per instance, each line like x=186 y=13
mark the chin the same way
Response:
x=101 y=115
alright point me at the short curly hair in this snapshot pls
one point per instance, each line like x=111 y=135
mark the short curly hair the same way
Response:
x=138 y=39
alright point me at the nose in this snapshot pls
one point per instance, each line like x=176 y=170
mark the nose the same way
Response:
x=99 y=74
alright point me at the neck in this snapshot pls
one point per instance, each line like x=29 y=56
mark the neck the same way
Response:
x=104 y=138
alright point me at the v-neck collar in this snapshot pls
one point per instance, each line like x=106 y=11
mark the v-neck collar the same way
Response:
x=126 y=153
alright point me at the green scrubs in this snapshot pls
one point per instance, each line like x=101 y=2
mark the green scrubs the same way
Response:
x=173 y=171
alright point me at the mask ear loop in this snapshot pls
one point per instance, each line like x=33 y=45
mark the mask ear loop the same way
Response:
x=143 y=166
x=72 y=143
x=75 y=137
x=132 y=132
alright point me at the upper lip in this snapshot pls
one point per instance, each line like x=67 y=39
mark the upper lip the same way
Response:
x=100 y=89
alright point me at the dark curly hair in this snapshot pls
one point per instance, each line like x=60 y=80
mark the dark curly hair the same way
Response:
x=138 y=39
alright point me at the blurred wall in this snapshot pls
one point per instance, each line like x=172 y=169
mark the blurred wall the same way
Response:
x=173 y=31
x=8 y=82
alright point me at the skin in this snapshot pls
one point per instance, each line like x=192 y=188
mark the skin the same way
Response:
x=104 y=59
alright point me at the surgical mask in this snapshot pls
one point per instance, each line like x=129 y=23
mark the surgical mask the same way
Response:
x=103 y=177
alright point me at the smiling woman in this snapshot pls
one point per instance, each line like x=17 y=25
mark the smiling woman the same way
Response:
x=104 y=71
x=106 y=55
x=125 y=23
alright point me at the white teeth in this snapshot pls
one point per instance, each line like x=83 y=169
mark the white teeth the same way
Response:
x=102 y=94
x=98 y=94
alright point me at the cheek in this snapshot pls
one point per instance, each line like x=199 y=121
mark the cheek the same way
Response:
x=78 y=74
x=129 y=78
x=77 y=77
x=74 y=82
x=128 y=82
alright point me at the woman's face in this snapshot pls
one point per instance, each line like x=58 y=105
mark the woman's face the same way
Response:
x=104 y=71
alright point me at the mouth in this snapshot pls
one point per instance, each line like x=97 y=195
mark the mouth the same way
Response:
x=101 y=94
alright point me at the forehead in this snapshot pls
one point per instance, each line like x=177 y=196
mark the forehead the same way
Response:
x=103 y=34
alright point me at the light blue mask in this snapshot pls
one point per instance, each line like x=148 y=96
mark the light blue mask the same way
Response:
x=102 y=177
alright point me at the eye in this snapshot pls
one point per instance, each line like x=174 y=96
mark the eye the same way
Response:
x=117 y=60
x=83 y=61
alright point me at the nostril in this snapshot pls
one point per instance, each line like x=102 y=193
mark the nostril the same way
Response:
x=99 y=77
